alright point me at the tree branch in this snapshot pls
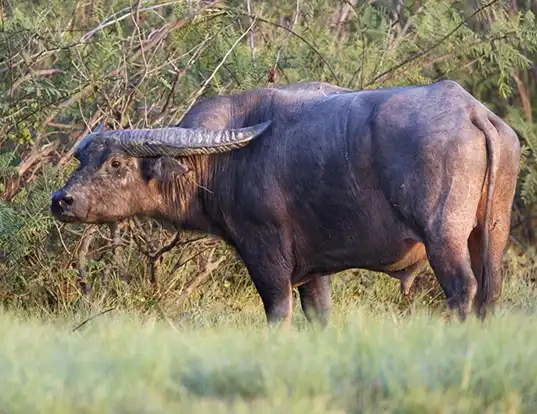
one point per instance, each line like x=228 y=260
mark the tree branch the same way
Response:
x=260 y=19
x=434 y=46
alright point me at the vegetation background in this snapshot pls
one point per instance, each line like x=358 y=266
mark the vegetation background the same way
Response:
x=67 y=65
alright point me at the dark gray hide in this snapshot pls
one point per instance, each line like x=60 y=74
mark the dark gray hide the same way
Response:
x=240 y=110
x=379 y=180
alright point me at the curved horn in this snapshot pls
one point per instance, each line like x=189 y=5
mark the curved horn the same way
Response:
x=184 y=141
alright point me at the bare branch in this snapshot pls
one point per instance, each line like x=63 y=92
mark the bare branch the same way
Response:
x=91 y=318
x=82 y=261
x=201 y=277
x=262 y=20
x=210 y=78
x=169 y=245
x=252 y=45
x=122 y=15
x=295 y=20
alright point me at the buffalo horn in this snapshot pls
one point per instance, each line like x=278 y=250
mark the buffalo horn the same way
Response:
x=183 y=141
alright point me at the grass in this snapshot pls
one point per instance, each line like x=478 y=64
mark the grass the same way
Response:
x=373 y=358
x=363 y=364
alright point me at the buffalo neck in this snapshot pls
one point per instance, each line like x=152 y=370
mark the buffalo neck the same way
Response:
x=197 y=206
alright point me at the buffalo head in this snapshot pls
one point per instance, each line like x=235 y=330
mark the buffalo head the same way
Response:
x=124 y=173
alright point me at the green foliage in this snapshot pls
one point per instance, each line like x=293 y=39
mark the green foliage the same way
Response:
x=8 y=164
x=528 y=176
x=25 y=223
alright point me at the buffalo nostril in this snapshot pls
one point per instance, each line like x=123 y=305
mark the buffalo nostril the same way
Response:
x=61 y=205
x=68 y=199
x=61 y=201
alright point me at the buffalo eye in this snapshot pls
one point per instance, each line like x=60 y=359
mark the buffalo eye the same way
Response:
x=115 y=164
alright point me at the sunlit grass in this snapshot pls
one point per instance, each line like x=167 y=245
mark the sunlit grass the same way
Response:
x=381 y=353
x=364 y=362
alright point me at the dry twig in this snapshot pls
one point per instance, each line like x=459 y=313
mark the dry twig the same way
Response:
x=206 y=271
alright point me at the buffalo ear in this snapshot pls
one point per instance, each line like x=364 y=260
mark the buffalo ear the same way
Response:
x=165 y=167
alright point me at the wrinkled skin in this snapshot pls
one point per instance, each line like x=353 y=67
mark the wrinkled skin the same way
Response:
x=382 y=180
x=233 y=112
x=236 y=112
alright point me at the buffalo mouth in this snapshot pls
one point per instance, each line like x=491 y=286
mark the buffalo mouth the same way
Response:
x=72 y=217
x=63 y=216
x=71 y=214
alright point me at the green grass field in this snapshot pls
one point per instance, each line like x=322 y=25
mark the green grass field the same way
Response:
x=376 y=356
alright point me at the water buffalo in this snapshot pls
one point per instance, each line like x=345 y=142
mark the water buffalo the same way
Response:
x=224 y=112
x=304 y=185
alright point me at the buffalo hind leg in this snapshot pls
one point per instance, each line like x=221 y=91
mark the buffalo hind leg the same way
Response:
x=452 y=268
x=316 y=300
x=498 y=240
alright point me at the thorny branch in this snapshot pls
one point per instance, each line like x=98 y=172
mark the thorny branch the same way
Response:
x=434 y=46
x=209 y=79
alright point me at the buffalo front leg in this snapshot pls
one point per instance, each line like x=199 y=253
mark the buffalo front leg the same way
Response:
x=276 y=294
x=316 y=300
x=272 y=280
